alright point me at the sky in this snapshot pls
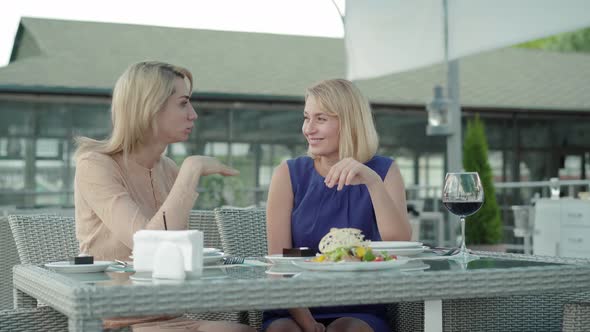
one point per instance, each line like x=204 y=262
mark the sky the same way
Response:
x=294 y=17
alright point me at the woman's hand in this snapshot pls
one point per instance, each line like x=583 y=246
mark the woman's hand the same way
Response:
x=314 y=327
x=303 y=318
x=348 y=171
x=208 y=165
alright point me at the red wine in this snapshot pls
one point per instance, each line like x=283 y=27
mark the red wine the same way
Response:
x=463 y=208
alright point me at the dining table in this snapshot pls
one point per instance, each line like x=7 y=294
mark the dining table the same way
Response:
x=87 y=298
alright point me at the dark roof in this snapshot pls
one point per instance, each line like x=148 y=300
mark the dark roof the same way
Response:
x=80 y=57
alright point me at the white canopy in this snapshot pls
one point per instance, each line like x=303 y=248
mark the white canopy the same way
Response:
x=389 y=36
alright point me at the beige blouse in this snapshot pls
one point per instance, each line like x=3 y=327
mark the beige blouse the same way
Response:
x=114 y=199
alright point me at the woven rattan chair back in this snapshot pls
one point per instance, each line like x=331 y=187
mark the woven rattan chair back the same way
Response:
x=243 y=233
x=29 y=320
x=8 y=253
x=204 y=221
x=242 y=230
x=44 y=238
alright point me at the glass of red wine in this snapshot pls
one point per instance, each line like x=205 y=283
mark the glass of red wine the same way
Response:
x=463 y=196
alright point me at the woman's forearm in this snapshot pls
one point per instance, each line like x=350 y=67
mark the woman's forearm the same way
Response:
x=392 y=221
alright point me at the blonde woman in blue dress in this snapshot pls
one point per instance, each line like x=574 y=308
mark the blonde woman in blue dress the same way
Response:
x=341 y=183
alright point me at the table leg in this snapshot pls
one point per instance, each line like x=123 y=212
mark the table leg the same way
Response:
x=433 y=316
x=79 y=325
x=22 y=301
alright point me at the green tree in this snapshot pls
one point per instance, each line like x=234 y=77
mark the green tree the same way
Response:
x=485 y=226
x=575 y=41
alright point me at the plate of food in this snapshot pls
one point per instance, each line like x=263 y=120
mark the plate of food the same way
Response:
x=282 y=259
x=343 y=249
x=379 y=245
x=351 y=266
x=403 y=251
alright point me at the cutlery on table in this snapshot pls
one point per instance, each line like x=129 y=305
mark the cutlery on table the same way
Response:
x=233 y=260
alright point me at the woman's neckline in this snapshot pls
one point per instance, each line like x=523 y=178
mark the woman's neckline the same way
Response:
x=315 y=170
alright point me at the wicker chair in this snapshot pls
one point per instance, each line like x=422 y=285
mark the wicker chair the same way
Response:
x=9 y=254
x=204 y=221
x=243 y=233
x=38 y=319
x=576 y=317
x=513 y=313
x=43 y=238
x=544 y=312
x=8 y=259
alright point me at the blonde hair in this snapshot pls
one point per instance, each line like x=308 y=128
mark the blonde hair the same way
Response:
x=341 y=98
x=139 y=94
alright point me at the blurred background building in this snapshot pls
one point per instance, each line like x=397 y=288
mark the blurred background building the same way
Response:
x=249 y=91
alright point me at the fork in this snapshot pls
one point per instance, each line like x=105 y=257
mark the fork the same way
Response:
x=233 y=260
x=450 y=252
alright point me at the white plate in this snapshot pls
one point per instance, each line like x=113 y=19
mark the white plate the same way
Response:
x=210 y=251
x=283 y=269
x=279 y=258
x=414 y=265
x=213 y=258
x=403 y=251
x=394 y=244
x=67 y=267
x=351 y=266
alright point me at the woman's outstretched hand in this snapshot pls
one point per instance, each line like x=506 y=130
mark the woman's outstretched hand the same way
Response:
x=208 y=165
x=349 y=171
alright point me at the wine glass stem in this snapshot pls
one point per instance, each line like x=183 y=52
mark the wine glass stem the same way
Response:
x=463 y=249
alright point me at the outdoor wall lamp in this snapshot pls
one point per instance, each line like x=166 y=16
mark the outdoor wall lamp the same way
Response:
x=438 y=114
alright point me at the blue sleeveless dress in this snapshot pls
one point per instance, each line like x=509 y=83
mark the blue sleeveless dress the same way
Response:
x=316 y=209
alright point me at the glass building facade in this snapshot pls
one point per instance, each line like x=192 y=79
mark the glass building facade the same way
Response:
x=37 y=144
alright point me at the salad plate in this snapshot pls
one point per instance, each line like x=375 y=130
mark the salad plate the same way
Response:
x=403 y=251
x=279 y=258
x=380 y=245
x=415 y=265
x=68 y=267
x=283 y=269
x=351 y=266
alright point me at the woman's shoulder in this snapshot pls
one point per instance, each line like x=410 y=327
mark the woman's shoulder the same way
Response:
x=167 y=162
x=381 y=159
x=96 y=165
x=169 y=166
x=302 y=164
x=96 y=158
x=380 y=164
x=301 y=161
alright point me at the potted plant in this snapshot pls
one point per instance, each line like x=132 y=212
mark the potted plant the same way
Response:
x=484 y=228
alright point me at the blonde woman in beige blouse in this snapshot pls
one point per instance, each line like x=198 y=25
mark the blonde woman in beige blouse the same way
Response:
x=124 y=183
